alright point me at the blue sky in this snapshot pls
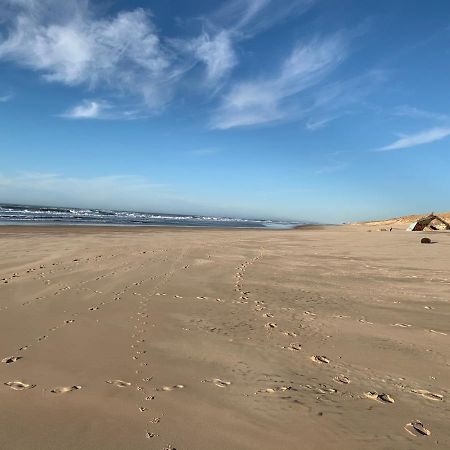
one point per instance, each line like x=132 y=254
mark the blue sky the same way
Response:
x=298 y=109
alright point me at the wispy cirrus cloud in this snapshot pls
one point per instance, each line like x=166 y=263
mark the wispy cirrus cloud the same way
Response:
x=332 y=168
x=214 y=50
x=65 y=43
x=267 y=100
x=412 y=140
x=418 y=113
x=249 y=17
x=87 y=110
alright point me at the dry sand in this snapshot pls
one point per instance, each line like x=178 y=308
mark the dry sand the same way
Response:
x=200 y=339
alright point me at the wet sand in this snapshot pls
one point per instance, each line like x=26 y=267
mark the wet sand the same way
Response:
x=200 y=339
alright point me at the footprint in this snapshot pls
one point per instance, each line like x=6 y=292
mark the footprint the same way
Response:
x=416 y=428
x=427 y=394
x=383 y=398
x=201 y=298
x=270 y=325
x=11 y=359
x=365 y=321
x=150 y=435
x=403 y=325
x=289 y=333
x=93 y=308
x=119 y=383
x=320 y=359
x=64 y=389
x=342 y=379
x=218 y=382
x=293 y=347
x=41 y=338
x=69 y=321
x=438 y=332
x=177 y=296
x=170 y=388
x=19 y=385
x=21 y=349
x=278 y=389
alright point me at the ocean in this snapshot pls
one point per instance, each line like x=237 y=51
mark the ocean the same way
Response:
x=12 y=214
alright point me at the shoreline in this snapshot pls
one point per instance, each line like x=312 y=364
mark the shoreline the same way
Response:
x=128 y=228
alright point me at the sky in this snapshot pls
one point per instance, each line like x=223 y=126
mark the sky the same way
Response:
x=320 y=110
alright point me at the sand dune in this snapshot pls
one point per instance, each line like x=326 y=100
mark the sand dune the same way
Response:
x=223 y=339
x=403 y=221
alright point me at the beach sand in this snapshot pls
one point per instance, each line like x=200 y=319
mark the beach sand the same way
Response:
x=200 y=339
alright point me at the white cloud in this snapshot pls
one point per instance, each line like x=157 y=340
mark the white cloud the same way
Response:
x=417 y=113
x=121 y=53
x=249 y=17
x=423 y=137
x=215 y=52
x=6 y=98
x=123 y=58
x=267 y=100
x=86 y=110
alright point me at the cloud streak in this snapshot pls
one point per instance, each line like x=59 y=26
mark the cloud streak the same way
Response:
x=122 y=54
x=420 y=138
x=86 y=110
x=267 y=100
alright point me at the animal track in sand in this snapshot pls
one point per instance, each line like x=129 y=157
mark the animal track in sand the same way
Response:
x=438 y=332
x=119 y=383
x=201 y=298
x=427 y=394
x=64 y=389
x=177 y=296
x=293 y=347
x=270 y=325
x=11 y=359
x=365 y=321
x=320 y=359
x=383 y=398
x=21 y=349
x=267 y=315
x=277 y=389
x=150 y=435
x=218 y=382
x=93 y=308
x=417 y=428
x=19 y=385
x=170 y=388
x=403 y=325
x=69 y=321
x=289 y=333
x=342 y=379
x=42 y=338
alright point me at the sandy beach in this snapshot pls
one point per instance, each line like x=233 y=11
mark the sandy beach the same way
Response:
x=200 y=339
